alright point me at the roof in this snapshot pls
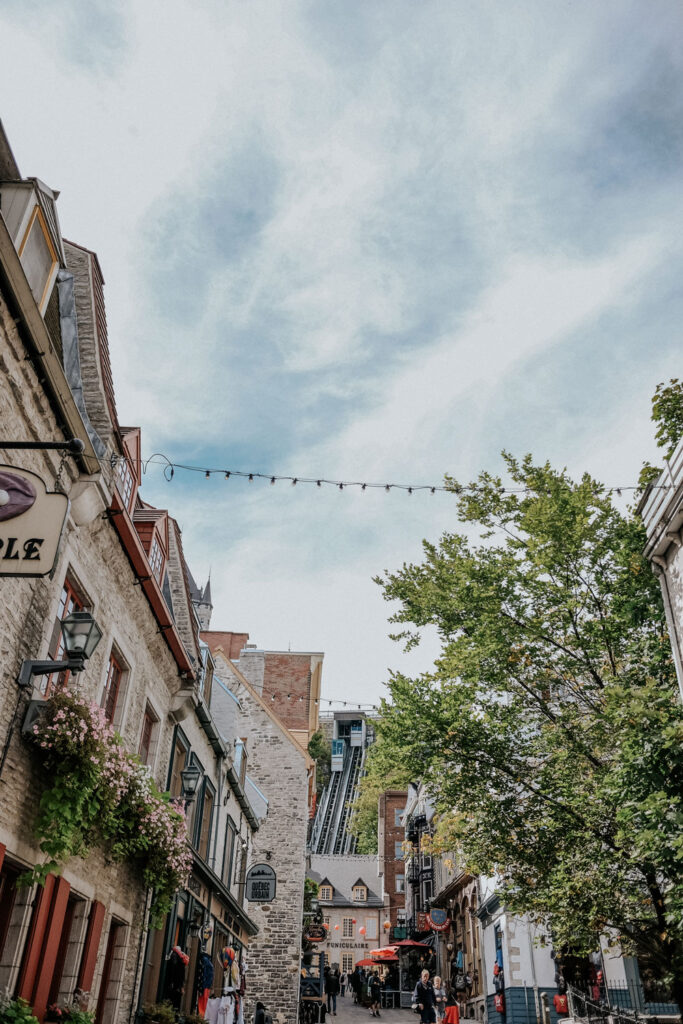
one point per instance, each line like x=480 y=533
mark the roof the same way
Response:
x=343 y=873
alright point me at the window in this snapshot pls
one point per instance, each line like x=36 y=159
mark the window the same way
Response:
x=347 y=962
x=326 y=921
x=193 y=812
x=69 y=601
x=348 y=928
x=207 y=799
x=398 y=814
x=360 y=893
x=371 y=928
x=398 y=851
x=229 y=851
x=39 y=258
x=125 y=482
x=400 y=883
x=325 y=892
x=178 y=761
x=156 y=558
x=112 y=688
x=148 y=735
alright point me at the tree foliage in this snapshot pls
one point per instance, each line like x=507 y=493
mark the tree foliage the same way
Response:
x=549 y=731
x=320 y=750
x=383 y=771
x=667 y=414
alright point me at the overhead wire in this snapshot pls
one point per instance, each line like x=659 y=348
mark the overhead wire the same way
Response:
x=169 y=469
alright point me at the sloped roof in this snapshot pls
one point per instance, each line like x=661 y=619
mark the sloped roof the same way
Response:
x=343 y=873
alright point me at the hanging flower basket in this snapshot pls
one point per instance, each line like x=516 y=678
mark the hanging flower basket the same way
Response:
x=98 y=793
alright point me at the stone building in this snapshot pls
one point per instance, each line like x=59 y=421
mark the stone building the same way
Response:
x=391 y=857
x=290 y=680
x=279 y=768
x=122 y=560
x=661 y=509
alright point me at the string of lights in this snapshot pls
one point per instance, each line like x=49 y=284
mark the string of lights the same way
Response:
x=169 y=470
x=323 y=700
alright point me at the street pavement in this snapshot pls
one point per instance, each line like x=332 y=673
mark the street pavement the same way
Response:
x=349 y=1013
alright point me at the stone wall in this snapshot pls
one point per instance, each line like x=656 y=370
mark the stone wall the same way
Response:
x=278 y=766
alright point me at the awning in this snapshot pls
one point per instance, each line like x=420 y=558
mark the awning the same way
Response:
x=384 y=952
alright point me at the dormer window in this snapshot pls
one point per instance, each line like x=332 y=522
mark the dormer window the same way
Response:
x=156 y=558
x=125 y=482
x=360 y=893
x=39 y=258
x=325 y=893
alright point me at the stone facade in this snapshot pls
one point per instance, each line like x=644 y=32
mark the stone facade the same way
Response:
x=87 y=928
x=279 y=766
x=661 y=508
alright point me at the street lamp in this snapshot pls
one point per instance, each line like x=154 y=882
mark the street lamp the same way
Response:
x=80 y=634
x=189 y=778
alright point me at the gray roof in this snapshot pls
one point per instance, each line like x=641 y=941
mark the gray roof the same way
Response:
x=343 y=873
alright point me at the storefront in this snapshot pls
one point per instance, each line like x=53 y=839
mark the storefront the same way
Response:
x=205 y=918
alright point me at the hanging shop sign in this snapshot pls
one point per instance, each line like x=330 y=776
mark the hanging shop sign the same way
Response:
x=438 y=920
x=261 y=884
x=315 y=933
x=31 y=523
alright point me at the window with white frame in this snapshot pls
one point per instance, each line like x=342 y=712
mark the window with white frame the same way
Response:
x=400 y=883
x=125 y=482
x=325 y=893
x=156 y=558
x=398 y=850
x=347 y=929
x=371 y=928
x=398 y=814
x=347 y=962
x=360 y=893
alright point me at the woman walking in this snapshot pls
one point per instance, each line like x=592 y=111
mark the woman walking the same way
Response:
x=375 y=994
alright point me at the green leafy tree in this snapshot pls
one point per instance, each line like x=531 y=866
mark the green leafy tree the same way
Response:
x=383 y=771
x=549 y=730
x=321 y=752
x=667 y=414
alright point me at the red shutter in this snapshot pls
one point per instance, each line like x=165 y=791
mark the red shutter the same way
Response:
x=34 y=943
x=53 y=934
x=91 y=947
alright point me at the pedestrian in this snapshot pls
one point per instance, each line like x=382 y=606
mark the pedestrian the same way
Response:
x=425 y=999
x=375 y=994
x=439 y=998
x=343 y=983
x=332 y=990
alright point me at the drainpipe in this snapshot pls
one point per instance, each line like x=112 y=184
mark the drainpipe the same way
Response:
x=142 y=947
x=533 y=972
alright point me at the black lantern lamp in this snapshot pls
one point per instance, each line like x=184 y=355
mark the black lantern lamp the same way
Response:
x=190 y=777
x=81 y=635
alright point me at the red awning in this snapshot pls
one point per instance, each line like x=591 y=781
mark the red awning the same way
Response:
x=409 y=944
x=366 y=963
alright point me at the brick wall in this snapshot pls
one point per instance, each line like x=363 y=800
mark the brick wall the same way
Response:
x=389 y=833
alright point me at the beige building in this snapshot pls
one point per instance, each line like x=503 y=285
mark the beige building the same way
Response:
x=353 y=907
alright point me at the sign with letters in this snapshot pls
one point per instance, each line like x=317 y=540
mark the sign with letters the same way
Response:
x=261 y=884
x=438 y=920
x=31 y=523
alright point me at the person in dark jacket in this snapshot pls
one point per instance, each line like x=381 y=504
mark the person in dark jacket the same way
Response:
x=425 y=999
x=375 y=994
x=332 y=990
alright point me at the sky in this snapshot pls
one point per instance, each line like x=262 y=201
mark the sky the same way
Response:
x=368 y=240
